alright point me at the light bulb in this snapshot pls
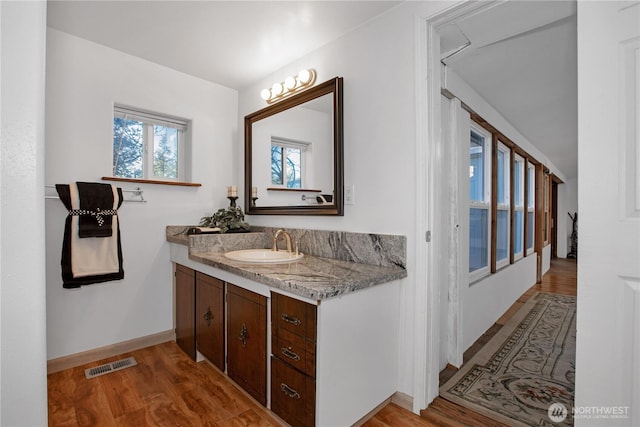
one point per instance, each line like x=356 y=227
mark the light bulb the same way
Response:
x=290 y=83
x=276 y=89
x=304 y=76
x=265 y=94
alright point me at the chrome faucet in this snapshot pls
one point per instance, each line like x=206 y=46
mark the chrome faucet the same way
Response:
x=287 y=238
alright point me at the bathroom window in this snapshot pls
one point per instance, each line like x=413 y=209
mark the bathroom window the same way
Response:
x=149 y=145
x=288 y=159
x=480 y=201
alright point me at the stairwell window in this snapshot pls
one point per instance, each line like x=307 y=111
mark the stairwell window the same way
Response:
x=480 y=201
x=148 y=145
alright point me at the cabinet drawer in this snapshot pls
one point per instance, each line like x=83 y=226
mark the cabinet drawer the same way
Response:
x=293 y=394
x=294 y=350
x=297 y=317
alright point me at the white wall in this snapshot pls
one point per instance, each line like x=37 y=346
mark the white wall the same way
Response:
x=84 y=80
x=486 y=301
x=23 y=380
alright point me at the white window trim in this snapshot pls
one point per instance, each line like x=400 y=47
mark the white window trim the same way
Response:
x=486 y=204
x=149 y=119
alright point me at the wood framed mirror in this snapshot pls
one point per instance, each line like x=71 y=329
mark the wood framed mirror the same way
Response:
x=293 y=154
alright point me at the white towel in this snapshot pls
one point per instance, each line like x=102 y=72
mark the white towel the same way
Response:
x=91 y=256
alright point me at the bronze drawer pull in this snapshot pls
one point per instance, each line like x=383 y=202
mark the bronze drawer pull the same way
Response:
x=289 y=391
x=290 y=354
x=290 y=319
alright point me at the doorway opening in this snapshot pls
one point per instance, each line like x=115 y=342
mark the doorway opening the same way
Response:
x=443 y=339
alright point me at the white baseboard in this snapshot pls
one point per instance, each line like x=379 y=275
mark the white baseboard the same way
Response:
x=403 y=400
x=79 y=359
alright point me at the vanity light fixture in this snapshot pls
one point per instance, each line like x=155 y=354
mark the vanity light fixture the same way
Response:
x=291 y=85
x=277 y=89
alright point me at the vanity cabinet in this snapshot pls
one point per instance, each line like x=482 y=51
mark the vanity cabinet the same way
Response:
x=185 y=310
x=303 y=357
x=293 y=360
x=210 y=318
x=247 y=341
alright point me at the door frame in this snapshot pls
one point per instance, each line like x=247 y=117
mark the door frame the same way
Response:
x=430 y=189
x=554 y=218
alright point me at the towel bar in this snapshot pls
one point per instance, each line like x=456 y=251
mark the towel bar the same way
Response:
x=137 y=192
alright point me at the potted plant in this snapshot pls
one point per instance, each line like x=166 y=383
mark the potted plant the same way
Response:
x=228 y=220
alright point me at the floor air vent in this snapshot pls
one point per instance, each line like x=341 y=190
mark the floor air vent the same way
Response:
x=110 y=367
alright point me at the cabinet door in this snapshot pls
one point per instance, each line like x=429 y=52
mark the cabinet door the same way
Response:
x=247 y=341
x=185 y=310
x=210 y=318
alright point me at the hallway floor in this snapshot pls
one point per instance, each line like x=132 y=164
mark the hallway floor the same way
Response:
x=560 y=279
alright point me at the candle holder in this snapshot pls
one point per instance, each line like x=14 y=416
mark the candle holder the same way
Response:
x=232 y=201
x=253 y=201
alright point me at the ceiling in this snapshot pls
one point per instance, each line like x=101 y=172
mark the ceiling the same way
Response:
x=521 y=58
x=233 y=43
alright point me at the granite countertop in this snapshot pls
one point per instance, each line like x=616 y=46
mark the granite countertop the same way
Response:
x=181 y=238
x=314 y=277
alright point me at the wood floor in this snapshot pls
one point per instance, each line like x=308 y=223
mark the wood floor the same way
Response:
x=168 y=389
x=562 y=279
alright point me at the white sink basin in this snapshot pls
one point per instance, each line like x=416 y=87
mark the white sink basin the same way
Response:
x=263 y=256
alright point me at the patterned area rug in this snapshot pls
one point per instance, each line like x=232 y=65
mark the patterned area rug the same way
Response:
x=525 y=368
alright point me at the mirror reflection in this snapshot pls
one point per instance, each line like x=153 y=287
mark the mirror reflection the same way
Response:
x=293 y=154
